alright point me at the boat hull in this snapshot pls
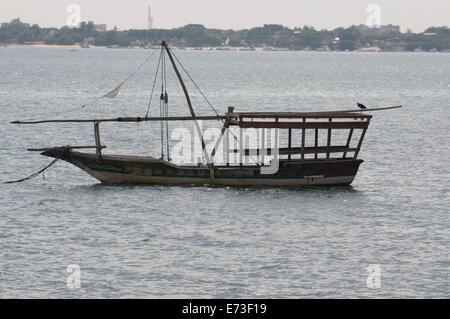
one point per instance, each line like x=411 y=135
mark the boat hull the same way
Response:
x=118 y=169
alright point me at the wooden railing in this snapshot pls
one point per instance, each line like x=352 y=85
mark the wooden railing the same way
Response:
x=329 y=121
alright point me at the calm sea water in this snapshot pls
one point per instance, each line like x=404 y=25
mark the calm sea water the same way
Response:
x=214 y=242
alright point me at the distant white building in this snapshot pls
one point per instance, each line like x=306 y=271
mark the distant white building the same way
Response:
x=100 y=27
x=15 y=22
x=382 y=29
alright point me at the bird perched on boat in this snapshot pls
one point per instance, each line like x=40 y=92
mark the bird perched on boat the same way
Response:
x=361 y=106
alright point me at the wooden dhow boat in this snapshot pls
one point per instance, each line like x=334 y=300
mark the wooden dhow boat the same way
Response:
x=293 y=162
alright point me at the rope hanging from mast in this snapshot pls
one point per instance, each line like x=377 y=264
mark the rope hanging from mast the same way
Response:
x=166 y=104
x=188 y=100
x=209 y=159
x=163 y=104
x=112 y=94
x=209 y=103
x=154 y=83
x=195 y=84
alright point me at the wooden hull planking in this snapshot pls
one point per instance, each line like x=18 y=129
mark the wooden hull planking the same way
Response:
x=122 y=169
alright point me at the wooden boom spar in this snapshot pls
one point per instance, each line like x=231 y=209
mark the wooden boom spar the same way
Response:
x=357 y=113
x=122 y=119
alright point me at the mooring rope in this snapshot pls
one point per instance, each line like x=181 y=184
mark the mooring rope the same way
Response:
x=34 y=174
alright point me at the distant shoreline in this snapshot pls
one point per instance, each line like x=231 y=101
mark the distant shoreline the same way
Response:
x=78 y=46
x=269 y=37
x=42 y=45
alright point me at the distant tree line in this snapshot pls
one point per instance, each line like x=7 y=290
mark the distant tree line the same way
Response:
x=270 y=35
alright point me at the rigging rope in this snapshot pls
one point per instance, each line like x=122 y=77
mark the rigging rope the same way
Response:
x=198 y=88
x=161 y=114
x=207 y=101
x=164 y=112
x=114 y=92
x=161 y=102
x=116 y=89
x=166 y=103
x=154 y=83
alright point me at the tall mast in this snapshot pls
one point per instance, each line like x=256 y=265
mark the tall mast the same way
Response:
x=188 y=99
x=150 y=18
x=150 y=23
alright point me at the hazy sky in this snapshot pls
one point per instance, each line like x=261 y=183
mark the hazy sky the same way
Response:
x=231 y=14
